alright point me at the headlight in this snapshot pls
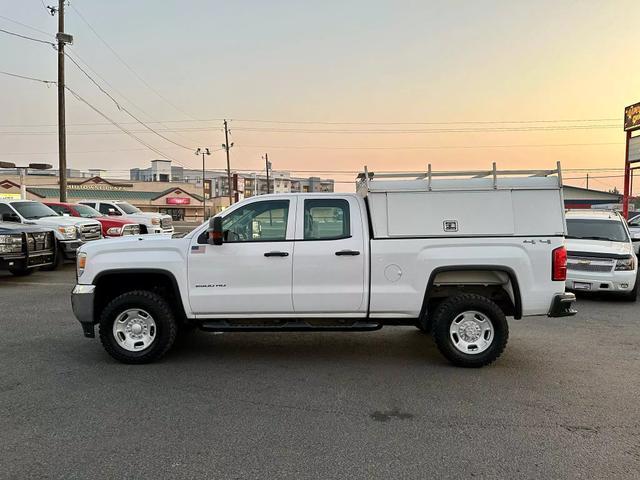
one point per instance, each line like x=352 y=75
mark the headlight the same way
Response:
x=155 y=221
x=10 y=243
x=114 y=231
x=81 y=263
x=68 y=233
x=625 y=264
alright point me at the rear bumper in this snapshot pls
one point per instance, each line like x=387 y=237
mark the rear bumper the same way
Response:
x=82 y=298
x=563 y=305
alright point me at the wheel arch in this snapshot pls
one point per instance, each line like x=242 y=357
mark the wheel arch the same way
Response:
x=111 y=283
x=516 y=301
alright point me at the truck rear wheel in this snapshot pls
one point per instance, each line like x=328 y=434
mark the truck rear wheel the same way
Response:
x=470 y=330
x=137 y=327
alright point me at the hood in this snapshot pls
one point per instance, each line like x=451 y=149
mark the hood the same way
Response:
x=13 y=227
x=59 y=221
x=148 y=215
x=131 y=242
x=598 y=246
x=115 y=221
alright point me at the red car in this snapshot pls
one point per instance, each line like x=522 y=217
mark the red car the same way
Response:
x=111 y=226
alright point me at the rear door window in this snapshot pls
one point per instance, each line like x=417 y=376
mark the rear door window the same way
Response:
x=326 y=219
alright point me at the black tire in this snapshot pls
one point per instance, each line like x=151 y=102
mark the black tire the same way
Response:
x=21 y=272
x=449 y=310
x=162 y=315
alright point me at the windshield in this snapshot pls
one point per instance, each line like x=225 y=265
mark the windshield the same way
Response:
x=33 y=210
x=86 y=211
x=127 y=208
x=610 y=230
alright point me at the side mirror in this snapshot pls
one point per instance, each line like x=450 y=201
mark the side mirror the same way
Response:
x=10 y=217
x=215 y=231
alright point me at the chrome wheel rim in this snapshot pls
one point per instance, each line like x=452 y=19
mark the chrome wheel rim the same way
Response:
x=134 y=330
x=471 y=332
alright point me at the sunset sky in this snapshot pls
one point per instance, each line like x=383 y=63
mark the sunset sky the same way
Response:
x=521 y=83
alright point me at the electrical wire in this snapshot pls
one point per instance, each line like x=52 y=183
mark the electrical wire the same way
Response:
x=26 y=26
x=122 y=108
x=142 y=80
x=26 y=37
x=114 y=123
x=24 y=77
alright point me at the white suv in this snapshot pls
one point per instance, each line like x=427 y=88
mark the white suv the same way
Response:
x=601 y=257
x=153 y=222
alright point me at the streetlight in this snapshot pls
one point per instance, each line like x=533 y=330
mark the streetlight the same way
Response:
x=203 y=151
x=23 y=172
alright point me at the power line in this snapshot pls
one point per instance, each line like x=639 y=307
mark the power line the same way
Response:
x=114 y=123
x=24 y=77
x=26 y=26
x=142 y=80
x=313 y=122
x=127 y=99
x=424 y=131
x=26 y=37
x=208 y=120
x=122 y=108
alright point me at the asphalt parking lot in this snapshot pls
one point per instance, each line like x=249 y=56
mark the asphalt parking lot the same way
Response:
x=562 y=402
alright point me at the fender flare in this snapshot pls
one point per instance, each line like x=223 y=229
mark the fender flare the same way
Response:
x=517 y=300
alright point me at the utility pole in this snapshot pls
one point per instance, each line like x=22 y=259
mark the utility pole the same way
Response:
x=587 y=181
x=62 y=141
x=227 y=147
x=203 y=151
x=267 y=165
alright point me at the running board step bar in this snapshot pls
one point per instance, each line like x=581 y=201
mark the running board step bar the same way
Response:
x=288 y=325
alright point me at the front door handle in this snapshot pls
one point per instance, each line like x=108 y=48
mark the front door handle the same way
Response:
x=352 y=253
x=276 y=254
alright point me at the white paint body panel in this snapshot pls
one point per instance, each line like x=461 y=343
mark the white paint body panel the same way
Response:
x=390 y=276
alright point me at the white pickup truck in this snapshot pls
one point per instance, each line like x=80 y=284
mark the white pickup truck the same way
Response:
x=449 y=254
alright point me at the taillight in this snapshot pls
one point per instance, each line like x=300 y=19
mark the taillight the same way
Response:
x=559 y=264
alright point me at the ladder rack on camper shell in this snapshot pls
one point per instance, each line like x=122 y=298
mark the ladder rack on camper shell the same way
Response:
x=367 y=179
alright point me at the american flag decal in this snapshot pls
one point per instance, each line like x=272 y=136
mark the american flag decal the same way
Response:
x=198 y=249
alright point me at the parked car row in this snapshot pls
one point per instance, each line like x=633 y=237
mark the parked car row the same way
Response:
x=43 y=235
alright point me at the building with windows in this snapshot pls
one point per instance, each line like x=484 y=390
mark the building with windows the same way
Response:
x=217 y=184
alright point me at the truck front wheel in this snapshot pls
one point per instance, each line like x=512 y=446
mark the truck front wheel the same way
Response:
x=137 y=327
x=470 y=330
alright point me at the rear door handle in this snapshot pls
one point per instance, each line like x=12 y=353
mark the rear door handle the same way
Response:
x=276 y=254
x=352 y=253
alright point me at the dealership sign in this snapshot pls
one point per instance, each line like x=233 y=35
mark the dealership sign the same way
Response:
x=632 y=117
x=178 y=201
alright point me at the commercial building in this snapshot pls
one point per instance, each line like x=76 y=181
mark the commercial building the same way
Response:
x=217 y=184
x=577 y=197
x=161 y=188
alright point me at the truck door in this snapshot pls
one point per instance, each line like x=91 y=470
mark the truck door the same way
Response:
x=329 y=259
x=251 y=272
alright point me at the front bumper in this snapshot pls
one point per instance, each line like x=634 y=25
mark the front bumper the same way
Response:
x=82 y=299
x=562 y=305
x=620 y=281
x=69 y=248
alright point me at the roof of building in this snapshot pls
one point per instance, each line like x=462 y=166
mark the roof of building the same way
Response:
x=97 y=194
x=578 y=193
